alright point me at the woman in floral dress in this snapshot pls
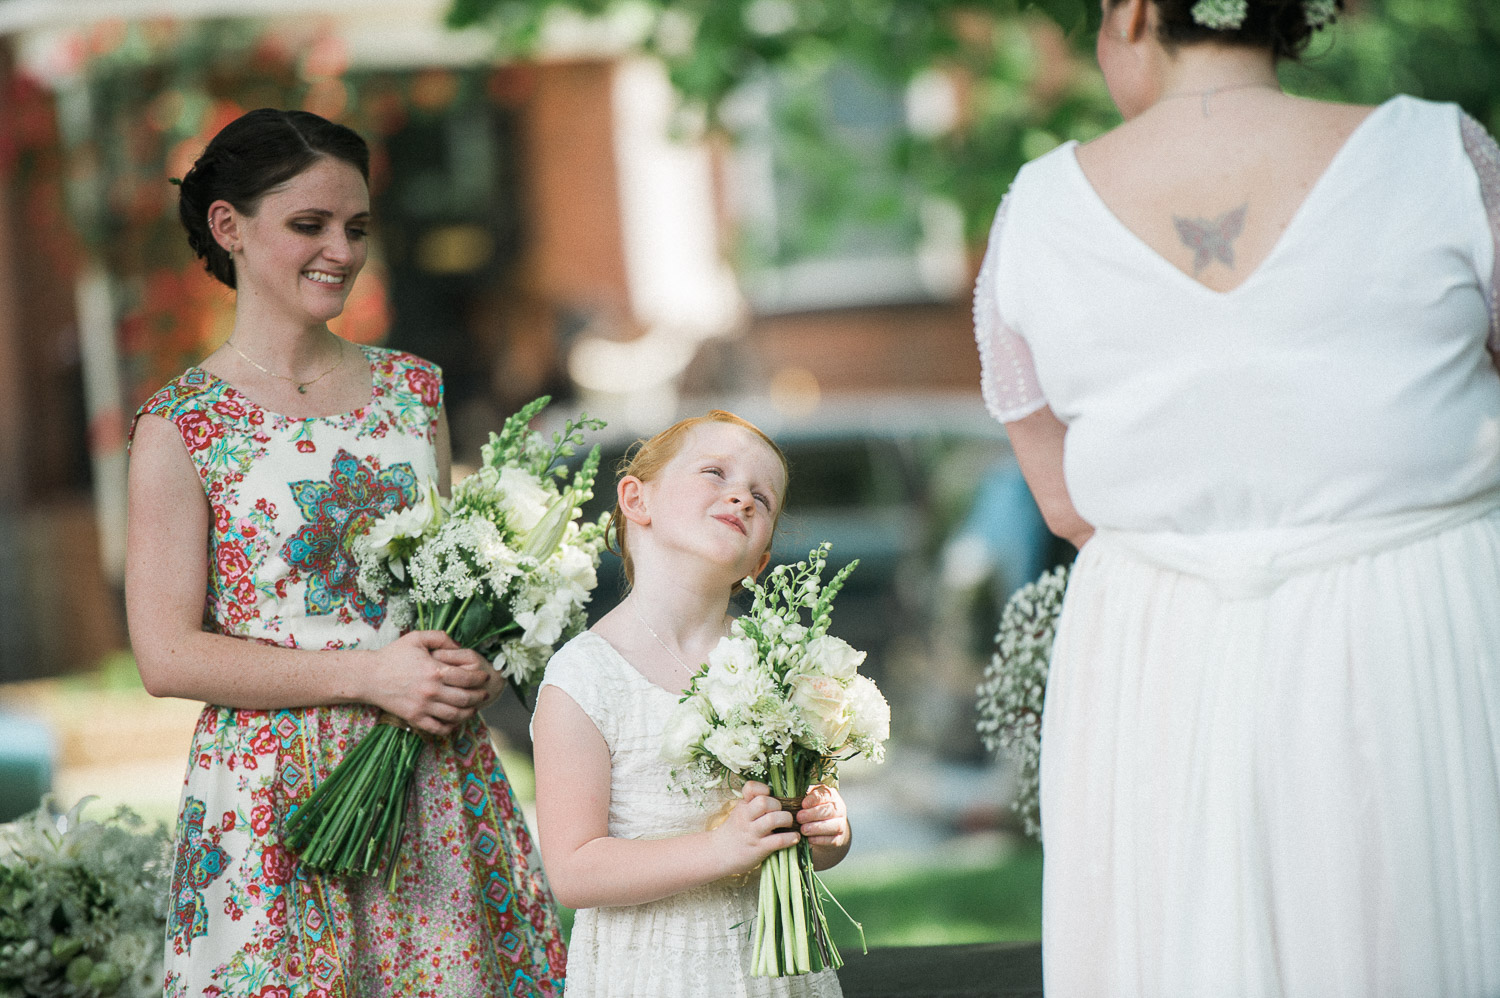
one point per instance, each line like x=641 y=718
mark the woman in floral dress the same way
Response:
x=249 y=474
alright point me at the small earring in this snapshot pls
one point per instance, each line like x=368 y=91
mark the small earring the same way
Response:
x=1124 y=35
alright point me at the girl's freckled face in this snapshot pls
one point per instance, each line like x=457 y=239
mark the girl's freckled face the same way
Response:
x=719 y=495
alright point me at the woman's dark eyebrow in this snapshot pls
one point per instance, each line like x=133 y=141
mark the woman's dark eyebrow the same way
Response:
x=325 y=213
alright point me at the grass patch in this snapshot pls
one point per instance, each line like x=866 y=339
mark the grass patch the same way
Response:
x=996 y=900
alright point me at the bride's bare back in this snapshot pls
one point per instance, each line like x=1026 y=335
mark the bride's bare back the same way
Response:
x=1210 y=181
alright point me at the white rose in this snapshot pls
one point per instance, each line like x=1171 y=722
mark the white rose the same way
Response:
x=522 y=499
x=735 y=677
x=823 y=703
x=871 y=713
x=738 y=748
x=832 y=657
x=685 y=731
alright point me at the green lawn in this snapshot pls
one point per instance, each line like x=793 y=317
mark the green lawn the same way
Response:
x=993 y=900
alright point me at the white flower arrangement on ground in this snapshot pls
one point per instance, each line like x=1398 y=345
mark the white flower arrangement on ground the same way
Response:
x=1015 y=685
x=782 y=702
x=83 y=905
x=504 y=568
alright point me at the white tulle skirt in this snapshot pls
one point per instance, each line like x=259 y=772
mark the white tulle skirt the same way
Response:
x=1281 y=780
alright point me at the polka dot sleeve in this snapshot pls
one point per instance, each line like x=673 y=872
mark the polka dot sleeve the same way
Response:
x=1008 y=378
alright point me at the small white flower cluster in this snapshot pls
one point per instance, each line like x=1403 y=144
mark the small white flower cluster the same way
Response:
x=776 y=687
x=1229 y=15
x=1015 y=683
x=505 y=567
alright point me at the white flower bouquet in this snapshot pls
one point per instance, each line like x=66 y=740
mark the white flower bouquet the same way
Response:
x=782 y=702
x=83 y=905
x=1015 y=684
x=504 y=568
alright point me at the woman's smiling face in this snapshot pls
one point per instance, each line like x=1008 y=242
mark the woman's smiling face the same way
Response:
x=307 y=241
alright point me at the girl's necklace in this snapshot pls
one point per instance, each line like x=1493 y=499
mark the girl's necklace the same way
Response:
x=664 y=646
x=301 y=386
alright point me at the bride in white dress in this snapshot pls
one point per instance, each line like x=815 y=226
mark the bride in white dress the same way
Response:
x=1244 y=346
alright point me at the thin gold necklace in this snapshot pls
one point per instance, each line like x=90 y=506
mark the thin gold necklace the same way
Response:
x=665 y=647
x=302 y=386
x=1211 y=91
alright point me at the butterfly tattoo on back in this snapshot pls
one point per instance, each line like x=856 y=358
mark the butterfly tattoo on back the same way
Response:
x=1211 y=239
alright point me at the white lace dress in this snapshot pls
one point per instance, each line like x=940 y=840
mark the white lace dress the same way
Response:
x=695 y=944
x=1271 y=741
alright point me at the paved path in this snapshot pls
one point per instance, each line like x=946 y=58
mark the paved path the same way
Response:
x=981 y=970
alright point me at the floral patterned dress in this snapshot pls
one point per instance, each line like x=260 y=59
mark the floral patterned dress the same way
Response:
x=472 y=914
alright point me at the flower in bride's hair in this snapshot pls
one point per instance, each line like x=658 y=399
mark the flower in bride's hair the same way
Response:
x=1220 y=15
x=685 y=731
x=1319 y=13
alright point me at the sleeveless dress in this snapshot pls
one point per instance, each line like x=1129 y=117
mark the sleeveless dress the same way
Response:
x=472 y=914
x=1271 y=737
x=693 y=944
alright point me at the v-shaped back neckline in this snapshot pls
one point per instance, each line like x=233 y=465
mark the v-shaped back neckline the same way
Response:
x=1333 y=166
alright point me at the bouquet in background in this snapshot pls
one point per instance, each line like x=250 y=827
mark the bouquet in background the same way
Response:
x=1015 y=684
x=83 y=905
x=782 y=702
x=503 y=568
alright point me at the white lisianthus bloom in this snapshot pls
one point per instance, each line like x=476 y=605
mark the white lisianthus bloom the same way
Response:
x=735 y=676
x=823 y=703
x=410 y=523
x=685 y=731
x=543 y=625
x=738 y=748
x=871 y=713
x=576 y=567
x=522 y=499
x=832 y=657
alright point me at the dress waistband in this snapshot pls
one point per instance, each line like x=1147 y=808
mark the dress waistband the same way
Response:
x=1252 y=564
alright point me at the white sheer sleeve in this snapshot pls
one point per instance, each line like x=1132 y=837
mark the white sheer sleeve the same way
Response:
x=1485 y=155
x=1008 y=377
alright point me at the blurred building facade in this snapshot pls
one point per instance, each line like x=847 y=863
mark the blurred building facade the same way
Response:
x=540 y=227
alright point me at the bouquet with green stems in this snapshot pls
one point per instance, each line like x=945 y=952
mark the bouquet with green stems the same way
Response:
x=83 y=904
x=504 y=568
x=782 y=702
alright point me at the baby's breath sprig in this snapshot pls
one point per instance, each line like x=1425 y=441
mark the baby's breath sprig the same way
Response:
x=1015 y=684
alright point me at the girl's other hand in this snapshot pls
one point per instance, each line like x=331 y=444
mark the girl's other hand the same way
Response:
x=412 y=681
x=755 y=828
x=824 y=820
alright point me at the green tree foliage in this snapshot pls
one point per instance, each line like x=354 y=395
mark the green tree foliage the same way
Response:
x=1025 y=67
